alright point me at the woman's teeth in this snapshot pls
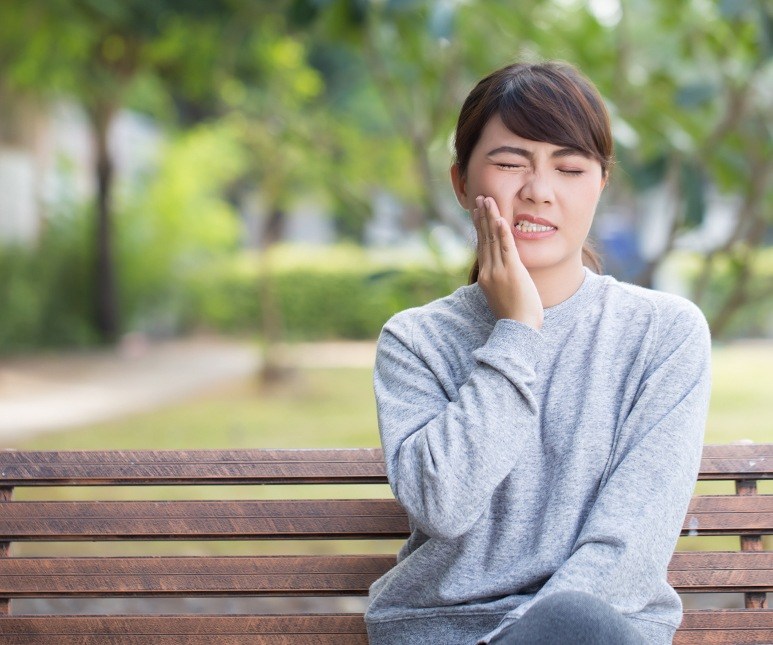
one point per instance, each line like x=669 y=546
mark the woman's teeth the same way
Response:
x=528 y=227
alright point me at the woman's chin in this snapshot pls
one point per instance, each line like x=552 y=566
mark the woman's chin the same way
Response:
x=541 y=262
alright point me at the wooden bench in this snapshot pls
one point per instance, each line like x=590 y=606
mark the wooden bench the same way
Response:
x=64 y=575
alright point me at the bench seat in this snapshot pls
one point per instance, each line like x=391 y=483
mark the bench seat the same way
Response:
x=746 y=515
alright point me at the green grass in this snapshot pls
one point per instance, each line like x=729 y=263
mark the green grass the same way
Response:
x=326 y=408
x=741 y=394
x=321 y=408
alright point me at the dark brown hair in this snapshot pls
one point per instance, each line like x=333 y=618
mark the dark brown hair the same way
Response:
x=551 y=102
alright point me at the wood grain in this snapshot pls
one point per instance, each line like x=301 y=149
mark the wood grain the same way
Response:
x=358 y=465
x=748 y=515
x=706 y=627
x=203 y=520
x=303 y=575
x=297 y=519
x=192 y=576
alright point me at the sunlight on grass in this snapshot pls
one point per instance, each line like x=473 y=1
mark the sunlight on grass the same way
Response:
x=322 y=408
x=741 y=395
x=328 y=408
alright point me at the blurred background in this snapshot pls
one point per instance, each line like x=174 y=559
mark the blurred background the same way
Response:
x=208 y=208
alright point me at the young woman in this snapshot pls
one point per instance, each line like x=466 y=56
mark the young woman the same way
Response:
x=542 y=426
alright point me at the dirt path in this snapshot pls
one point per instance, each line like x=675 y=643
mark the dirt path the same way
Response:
x=58 y=391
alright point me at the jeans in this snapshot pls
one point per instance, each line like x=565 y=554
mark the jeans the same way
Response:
x=570 y=618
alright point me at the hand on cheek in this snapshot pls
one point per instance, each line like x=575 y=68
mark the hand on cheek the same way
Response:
x=508 y=287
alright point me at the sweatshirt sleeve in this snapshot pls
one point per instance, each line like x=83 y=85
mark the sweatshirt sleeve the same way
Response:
x=627 y=541
x=445 y=457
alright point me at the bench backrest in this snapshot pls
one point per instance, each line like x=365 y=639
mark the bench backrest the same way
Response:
x=745 y=567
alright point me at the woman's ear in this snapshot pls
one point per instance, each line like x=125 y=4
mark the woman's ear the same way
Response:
x=459 y=182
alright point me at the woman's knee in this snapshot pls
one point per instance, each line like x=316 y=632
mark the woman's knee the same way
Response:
x=573 y=608
x=571 y=602
x=577 y=616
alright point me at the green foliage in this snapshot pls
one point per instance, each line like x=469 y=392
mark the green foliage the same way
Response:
x=338 y=294
x=753 y=320
x=176 y=222
x=44 y=292
x=340 y=99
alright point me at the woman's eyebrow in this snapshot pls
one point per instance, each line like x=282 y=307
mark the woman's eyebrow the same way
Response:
x=561 y=152
x=512 y=150
x=569 y=152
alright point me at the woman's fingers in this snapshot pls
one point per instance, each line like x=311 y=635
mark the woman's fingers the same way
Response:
x=509 y=252
x=495 y=222
x=485 y=235
x=510 y=290
x=481 y=245
x=496 y=244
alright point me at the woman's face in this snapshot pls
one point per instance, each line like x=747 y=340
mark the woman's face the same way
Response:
x=546 y=193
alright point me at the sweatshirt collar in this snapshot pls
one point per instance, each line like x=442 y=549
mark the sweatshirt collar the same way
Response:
x=570 y=307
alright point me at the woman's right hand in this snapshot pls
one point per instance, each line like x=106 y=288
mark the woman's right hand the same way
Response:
x=509 y=289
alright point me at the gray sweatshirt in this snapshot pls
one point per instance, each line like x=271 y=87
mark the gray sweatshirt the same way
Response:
x=535 y=462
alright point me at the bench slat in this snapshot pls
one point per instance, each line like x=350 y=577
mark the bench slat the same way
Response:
x=326 y=629
x=716 y=560
x=727 y=627
x=737 y=462
x=203 y=520
x=737 y=451
x=729 y=572
x=298 y=519
x=303 y=575
x=736 y=469
x=192 y=576
x=167 y=467
x=358 y=465
x=729 y=514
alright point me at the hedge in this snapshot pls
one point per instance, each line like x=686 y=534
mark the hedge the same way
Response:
x=312 y=304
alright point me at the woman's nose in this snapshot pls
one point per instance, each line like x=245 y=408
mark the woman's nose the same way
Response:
x=537 y=188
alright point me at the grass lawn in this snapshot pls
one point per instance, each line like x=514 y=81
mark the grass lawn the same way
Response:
x=741 y=394
x=321 y=408
x=335 y=408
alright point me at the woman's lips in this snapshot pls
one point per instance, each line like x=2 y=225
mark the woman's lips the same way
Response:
x=528 y=227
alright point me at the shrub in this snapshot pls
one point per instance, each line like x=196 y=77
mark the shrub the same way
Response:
x=352 y=298
x=44 y=294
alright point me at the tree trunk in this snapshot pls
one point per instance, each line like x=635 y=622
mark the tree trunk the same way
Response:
x=738 y=297
x=107 y=319
x=275 y=369
x=646 y=276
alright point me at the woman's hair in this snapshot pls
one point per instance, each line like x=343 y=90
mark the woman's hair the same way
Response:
x=551 y=102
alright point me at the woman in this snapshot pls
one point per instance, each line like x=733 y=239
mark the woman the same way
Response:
x=542 y=426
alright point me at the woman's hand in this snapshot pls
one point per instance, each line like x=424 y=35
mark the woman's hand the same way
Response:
x=509 y=289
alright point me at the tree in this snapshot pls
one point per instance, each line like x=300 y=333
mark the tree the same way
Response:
x=689 y=107
x=94 y=52
x=695 y=98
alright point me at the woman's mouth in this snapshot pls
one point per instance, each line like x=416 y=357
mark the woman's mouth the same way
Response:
x=524 y=229
x=531 y=227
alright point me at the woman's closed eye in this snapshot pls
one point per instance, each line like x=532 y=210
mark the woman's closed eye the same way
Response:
x=520 y=166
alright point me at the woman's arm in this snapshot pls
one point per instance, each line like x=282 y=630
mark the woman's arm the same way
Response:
x=627 y=541
x=444 y=458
